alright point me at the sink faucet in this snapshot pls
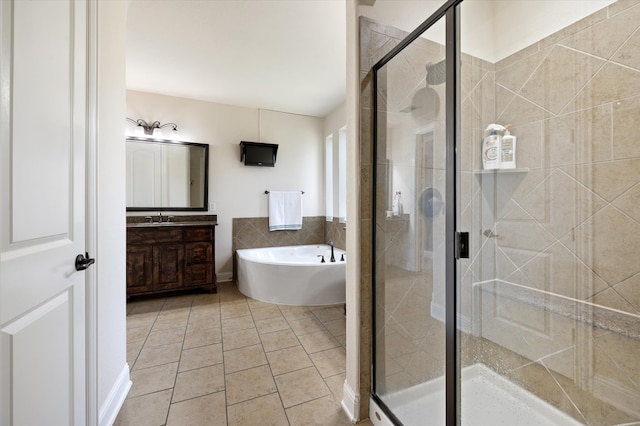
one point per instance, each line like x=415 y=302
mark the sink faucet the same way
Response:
x=160 y=217
x=333 y=259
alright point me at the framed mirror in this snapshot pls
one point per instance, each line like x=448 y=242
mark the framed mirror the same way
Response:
x=164 y=175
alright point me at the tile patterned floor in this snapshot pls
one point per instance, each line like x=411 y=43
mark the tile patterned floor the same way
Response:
x=225 y=359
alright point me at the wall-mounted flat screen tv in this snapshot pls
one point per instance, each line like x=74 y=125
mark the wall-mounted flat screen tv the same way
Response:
x=258 y=154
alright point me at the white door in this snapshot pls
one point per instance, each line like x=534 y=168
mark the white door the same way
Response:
x=43 y=123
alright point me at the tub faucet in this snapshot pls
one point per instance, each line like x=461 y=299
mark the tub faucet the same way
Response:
x=333 y=258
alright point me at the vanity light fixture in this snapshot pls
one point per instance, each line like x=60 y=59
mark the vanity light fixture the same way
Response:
x=149 y=128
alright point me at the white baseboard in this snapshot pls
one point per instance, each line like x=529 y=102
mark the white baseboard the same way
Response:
x=350 y=402
x=223 y=277
x=109 y=410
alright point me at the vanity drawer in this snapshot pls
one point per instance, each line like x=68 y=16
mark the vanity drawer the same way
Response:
x=198 y=234
x=154 y=235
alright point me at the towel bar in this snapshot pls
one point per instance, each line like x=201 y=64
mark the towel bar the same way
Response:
x=267 y=191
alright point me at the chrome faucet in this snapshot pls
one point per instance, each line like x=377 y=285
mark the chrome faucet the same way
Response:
x=333 y=259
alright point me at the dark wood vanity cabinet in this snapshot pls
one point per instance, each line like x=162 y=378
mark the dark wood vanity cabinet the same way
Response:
x=164 y=258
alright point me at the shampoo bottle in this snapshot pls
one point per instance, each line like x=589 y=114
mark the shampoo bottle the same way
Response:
x=508 y=150
x=491 y=147
x=396 y=207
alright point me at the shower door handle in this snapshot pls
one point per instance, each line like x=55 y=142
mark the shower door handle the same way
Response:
x=462 y=245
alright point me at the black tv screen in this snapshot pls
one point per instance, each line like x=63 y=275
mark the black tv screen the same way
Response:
x=258 y=154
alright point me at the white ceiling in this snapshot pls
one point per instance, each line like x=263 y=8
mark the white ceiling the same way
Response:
x=282 y=55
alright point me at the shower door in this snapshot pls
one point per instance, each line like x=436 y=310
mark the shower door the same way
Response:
x=540 y=324
x=410 y=221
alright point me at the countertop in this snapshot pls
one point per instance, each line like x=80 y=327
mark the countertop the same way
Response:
x=172 y=224
x=176 y=221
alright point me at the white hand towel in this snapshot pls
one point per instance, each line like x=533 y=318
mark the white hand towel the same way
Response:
x=285 y=210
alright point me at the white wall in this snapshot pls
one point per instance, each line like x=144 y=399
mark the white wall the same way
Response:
x=351 y=395
x=112 y=369
x=238 y=190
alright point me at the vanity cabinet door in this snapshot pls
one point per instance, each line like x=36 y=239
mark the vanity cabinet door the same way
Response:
x=168 y=266
x=139 y=269
x=198 y=252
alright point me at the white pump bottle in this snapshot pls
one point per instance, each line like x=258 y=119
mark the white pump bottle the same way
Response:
x=508 y=150
x=492 y=147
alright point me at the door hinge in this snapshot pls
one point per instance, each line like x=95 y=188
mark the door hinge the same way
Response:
x=462 y=245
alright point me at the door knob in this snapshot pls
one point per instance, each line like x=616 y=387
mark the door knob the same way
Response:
x=83 y=262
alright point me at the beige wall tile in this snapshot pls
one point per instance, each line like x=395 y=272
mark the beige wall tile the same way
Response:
x=630 y=290
x=581 y=137
x=626 y=55
x=521 y=111
x=625 y=129
x=611 y=83
x=605 y=243
x=605 y=37
x=611 y=299
x=515 y=75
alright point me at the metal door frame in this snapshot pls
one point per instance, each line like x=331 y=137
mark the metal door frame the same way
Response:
x=450 y=12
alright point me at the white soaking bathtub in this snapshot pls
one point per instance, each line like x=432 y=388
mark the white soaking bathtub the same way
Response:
x=292 y=275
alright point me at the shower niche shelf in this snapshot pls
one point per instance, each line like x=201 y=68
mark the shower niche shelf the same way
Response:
x=501 y=171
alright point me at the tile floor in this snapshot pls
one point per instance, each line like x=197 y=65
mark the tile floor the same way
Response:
x=225 y=359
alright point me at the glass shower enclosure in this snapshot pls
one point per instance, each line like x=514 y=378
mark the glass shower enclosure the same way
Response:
x=535 y=318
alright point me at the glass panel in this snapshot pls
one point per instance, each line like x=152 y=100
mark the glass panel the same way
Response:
x=328 y=177
x=550 y=299
x=342 y=174
x=410 y=232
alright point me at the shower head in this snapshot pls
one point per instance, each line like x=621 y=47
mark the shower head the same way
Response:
x=436 y=73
